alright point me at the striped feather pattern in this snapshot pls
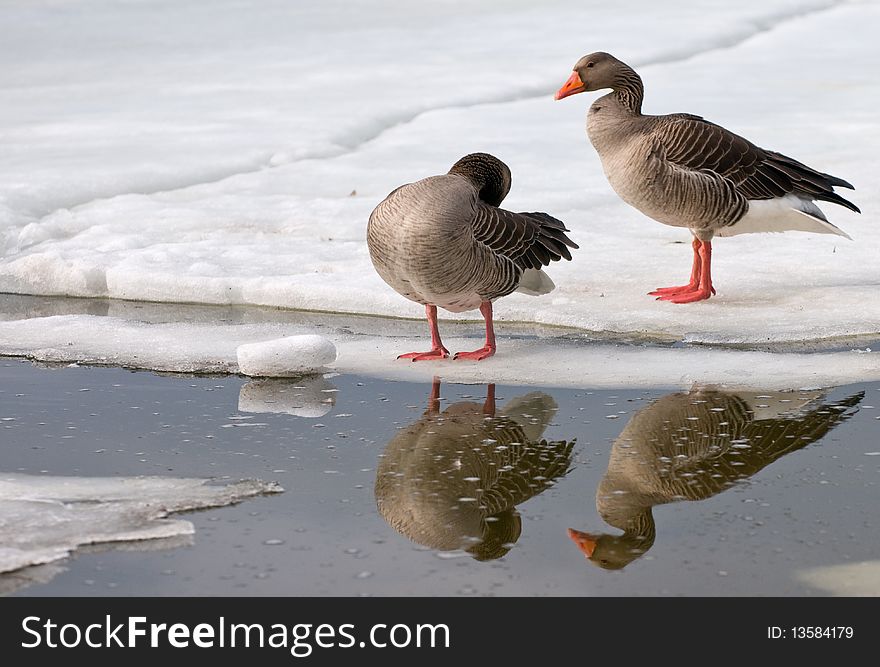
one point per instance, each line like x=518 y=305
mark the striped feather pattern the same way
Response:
x=453 y=480
x=696 y=144
x=443 y=240
x=531 y=240
x=692 y=446
x=685 y=171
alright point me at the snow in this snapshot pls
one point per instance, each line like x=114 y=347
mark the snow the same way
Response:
x=45 y=518
x=861 y=579
x=208 y=153
x=285 y=357
x=197 y=169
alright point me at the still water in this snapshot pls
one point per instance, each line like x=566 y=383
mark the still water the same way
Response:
x=395 y=488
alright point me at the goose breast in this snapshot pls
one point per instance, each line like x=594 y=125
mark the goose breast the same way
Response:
x=635 y=161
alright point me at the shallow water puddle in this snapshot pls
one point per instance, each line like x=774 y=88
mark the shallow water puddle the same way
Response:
x=398 y=488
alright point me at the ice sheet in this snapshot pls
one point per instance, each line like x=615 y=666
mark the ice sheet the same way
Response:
x=559 y=361
x=45 y=518
x=214 y=153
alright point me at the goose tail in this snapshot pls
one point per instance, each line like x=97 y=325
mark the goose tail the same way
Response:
x=535 y=282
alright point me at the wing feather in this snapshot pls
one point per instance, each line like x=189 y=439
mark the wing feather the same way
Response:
x=695 y=144
x=530 y=240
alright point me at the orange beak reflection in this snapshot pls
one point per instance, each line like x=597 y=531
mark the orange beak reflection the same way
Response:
x=585 y=541
x=573 y=86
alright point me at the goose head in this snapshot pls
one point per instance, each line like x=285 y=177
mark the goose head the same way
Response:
x=627 y=510
x=593 y=72
x=610 y=552
x=489 y=176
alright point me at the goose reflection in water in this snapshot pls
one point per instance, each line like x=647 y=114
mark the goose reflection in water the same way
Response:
x=452 y=480
x=692 y=446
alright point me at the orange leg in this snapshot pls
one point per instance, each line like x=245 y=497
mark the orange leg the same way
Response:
x=434 y=398
x=695 y=275
x=489 y=348
x=700 y=285
x=437 y=350
x=489 y=403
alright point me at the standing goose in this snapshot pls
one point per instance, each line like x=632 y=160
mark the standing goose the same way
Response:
x=692 y=446
x=443 y=241
x=453 y=479
x=684 y=171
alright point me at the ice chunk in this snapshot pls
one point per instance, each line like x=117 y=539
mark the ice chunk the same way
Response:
x=286 y=357
x=305 y=397
x=43 y=518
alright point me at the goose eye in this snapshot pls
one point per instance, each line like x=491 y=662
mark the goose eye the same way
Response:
x=590 y=64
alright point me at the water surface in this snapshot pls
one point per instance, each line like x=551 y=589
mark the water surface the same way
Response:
x=395 y=488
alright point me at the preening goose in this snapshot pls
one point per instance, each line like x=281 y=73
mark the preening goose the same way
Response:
x=684 y=171
x=692 y=446
x=452 y=480
x=443 y=241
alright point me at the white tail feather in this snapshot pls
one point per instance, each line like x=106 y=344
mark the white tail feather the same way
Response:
x=778 y=405
x=533 y=412
x=535 y=282
x=784 y=214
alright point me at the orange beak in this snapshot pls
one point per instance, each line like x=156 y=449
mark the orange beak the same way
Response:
x=585 y=541
x=573 y=86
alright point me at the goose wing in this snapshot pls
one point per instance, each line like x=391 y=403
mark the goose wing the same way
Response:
x=530 y=240
x=693 y=143
x=771 y=439
x=524 y=470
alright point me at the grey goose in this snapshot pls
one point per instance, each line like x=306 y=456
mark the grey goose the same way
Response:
x=453 y=479
x=692 y=446
x=443 y=242
x=685 y=171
